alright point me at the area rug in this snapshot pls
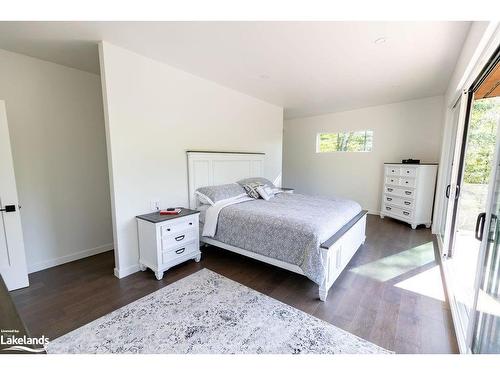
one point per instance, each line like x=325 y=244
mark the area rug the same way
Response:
x=209 y=313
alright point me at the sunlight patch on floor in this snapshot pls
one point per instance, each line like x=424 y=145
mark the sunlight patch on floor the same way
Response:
x=427 y=283
x=398 y=264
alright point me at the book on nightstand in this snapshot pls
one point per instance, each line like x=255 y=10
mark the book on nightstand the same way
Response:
x=170 y=211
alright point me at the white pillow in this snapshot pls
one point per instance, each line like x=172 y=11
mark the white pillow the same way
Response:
x=265 y=191
x=215 y=193
x=204 y=199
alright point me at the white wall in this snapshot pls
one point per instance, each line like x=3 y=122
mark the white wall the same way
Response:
x=401 y=130
x=154 y=114
x=57 y=134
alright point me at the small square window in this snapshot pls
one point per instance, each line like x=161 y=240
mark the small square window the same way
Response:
x=358 y=141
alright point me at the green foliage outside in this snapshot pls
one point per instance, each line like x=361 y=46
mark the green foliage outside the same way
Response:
x=346 y=141
x=481 y=140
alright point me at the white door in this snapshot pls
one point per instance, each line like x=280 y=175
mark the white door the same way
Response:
x=12 y=258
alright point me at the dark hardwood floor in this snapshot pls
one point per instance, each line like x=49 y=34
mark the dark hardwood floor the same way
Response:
x=377 y=297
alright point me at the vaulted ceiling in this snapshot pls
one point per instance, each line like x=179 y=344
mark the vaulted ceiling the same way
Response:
x=306 y=67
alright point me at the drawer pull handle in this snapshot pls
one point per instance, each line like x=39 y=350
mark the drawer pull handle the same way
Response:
x=406 y=182
x=390 y=189
x=408 y=192
x=393 y=171
x=406 y=213
x=180 y=251
x=389 y=199
x=190 y=223
x=388 y=208
x=407 y=171
x=180 y=238
x=168 y=229
x=407 y=203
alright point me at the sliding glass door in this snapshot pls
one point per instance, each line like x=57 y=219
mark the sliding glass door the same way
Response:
x=486 y=329
x=471 y=183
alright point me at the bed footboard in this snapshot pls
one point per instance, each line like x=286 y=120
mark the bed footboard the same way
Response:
x=339 y=250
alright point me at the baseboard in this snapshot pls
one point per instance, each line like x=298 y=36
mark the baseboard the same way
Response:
x=125 y=271
x=69 y=258
x=373 y=212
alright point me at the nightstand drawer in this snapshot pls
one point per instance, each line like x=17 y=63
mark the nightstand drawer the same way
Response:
x=176 y=226
x=179 y=251
x=177 y=239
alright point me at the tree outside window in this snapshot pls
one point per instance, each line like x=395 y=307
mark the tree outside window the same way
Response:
x=357 y=141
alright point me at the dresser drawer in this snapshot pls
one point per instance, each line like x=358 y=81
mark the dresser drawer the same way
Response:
x=179 y=238
x=392 y=180
x=407 y=193
x=392 y=171
x=398 y=201
x=406 y=213
x=409 y=182
x=409 y=171
x=177 y=226
x=178 y=252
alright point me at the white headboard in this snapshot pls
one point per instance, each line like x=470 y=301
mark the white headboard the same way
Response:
x=216 y=168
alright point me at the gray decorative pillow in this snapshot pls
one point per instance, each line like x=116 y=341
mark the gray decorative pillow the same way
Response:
x=213 y=194
x=258 y=180
x=251 y=189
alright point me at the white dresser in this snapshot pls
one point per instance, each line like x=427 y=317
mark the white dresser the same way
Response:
x=408 y=193
x=167 y=240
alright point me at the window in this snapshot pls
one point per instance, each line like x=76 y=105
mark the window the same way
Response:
x=358 y=141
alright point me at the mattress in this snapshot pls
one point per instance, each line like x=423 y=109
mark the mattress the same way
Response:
x=288 y=227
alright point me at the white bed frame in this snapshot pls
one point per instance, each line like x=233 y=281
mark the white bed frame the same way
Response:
x=215 y=168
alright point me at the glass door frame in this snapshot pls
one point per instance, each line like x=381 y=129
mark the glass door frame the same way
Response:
x=459 y=313
x=481 y=270
x=464 y=328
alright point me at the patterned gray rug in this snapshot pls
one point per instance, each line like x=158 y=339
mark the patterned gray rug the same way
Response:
x=208 y=313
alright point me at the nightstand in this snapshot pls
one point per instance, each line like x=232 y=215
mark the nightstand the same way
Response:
x=167 y=240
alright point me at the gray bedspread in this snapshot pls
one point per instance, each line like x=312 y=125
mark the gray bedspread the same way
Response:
x=288 y=227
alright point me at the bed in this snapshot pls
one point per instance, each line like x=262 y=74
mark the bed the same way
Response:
x=312 y=236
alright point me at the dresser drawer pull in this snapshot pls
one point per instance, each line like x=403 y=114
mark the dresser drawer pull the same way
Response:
x=393 y=171
x=408 y=192
x=406 y=182
x=180 y=251
x=180 y=238
x=389 y=199
x=407 y=203
x=388 y=208
x=390 y=189
x=168 y=229
x=407 y=171
x=406 y=213
x=392 y=180
x=190 y=223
